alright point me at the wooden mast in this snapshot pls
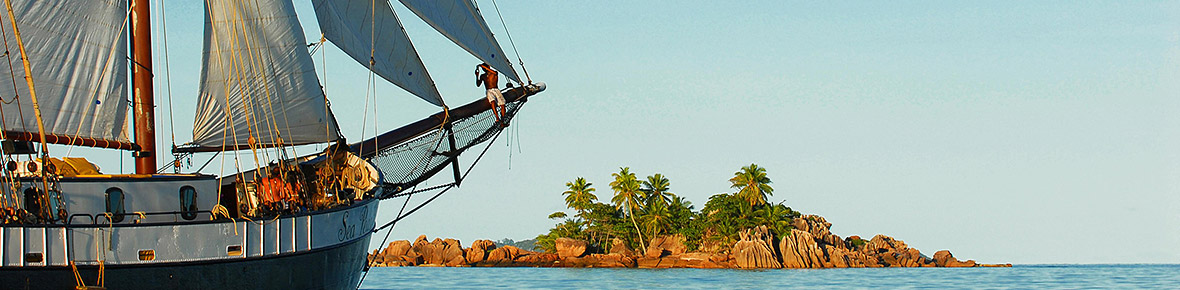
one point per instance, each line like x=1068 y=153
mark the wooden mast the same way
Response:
x=141 y=76
x=44 y=196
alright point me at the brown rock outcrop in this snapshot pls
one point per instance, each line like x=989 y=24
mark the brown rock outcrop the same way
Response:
x=664 y=262
x=753 y=251
x=452 y=253
x=396 y=248
x=569 y=248
x=892 y=252
x=510 y=256
x=819 y=228
x=534 y=259
x=502 y=255
x=696 y=260
x=814 y=224
x=375 y=259
x=412 y=258
x=1007 y=265
x=910 y=257
x=397 y=264
x=479 y=251
x=800 y=250
x=883 y=243
x=666 y=245
x=845 y=258
x=599 y=261
x=618 y=246
x=957 y=263
x=810 y=245
x=941 y=257
x=432 y=252
x=659 y=262
x=396 y=253
x=944 y=258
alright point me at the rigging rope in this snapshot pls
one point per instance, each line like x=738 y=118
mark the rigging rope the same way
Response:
x=36 y=108
x=231 y=129
x=402 y=214
x=10 y=179
x=324 y=88
x=12 y=75
x=110 y=58
x=168 y=82
x=447 y=186
x=526 y=71
x=370 y=263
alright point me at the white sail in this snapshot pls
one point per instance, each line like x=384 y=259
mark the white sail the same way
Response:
x=349 y=24
x=460 y=21
x=258 y=79
x=77 y=51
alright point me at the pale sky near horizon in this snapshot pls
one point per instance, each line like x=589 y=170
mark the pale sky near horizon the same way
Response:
x=1005 y=131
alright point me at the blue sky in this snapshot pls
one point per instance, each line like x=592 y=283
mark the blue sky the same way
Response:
x=1023 y=132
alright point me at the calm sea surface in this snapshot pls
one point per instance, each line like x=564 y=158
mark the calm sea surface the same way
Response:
x=1017 y=277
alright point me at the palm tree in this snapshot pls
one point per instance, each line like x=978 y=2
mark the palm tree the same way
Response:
x=627 y=195
x=754 y=186
x=579 y=195
x=724 y=232
x=678 y=201
x=777 y=217
x=656 y=189
x=657 y=218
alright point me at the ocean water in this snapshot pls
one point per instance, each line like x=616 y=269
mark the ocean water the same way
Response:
x=1017 y=277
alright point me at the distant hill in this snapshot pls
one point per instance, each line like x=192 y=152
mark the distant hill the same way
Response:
x=526 y=245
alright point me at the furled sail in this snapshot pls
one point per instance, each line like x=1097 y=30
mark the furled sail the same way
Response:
x=460 y=21
x=77 y=51
x=258 y=79
x=349 y=24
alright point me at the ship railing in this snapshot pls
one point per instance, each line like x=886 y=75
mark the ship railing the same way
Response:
x=104 y=218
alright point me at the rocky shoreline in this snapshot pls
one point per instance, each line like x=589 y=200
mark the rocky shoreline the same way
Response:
x=809 y=245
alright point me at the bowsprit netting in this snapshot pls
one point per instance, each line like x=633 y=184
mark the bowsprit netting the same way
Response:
x=409 y=163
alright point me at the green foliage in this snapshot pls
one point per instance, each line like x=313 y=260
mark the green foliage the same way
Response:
x=857 y=243
x=777 y=217
x=628 y=196
x=656 y=190
x=567 y=229
x=657 y=219
x=658 y=216
x=603 y=214
x=753 y=185
x=685 y=222
x=546 y=242
x=649 y=208
x=724 y=216
x=605 y=222
x=579 y=194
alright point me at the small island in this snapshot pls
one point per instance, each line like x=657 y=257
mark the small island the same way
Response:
x=645 y=225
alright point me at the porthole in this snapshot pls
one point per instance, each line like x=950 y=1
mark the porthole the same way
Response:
x=188 y=202
x=115 y=205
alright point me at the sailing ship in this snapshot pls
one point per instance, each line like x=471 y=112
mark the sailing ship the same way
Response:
x=292 y=221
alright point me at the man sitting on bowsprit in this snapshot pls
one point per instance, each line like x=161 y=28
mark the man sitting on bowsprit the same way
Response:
x=490 y=80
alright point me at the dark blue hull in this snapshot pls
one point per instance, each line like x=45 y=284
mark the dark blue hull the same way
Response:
x=338 y=267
